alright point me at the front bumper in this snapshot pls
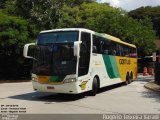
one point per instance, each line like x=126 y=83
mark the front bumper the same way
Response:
x=70 y=88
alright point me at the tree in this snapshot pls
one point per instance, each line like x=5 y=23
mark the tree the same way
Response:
x=2 y=3
x=21 y=20
x=151 y=12
x=13 y=35
x=105 y=19
x=45 y=13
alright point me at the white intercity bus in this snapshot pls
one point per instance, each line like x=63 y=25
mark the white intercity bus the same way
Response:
x=76 y=60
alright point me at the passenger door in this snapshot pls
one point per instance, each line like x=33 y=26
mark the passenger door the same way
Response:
x=85 y=50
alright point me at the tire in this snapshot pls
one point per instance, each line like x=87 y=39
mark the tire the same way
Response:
x=128 y=80
x=94 y=87
x=131 y=77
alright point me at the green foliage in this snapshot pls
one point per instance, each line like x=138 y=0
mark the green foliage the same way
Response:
x=105 y=19
x=151 y=12
x=45 y=13
x=14 y=30
x=13 y=35
x=21 y=20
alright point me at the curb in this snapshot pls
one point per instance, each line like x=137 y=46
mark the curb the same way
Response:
x=151 y=85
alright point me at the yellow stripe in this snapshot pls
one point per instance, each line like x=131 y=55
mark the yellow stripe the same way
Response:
x=118 y=40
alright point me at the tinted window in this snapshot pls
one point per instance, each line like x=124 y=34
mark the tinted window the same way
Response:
x=133 y=52
x=126 y=51
x=84 y=54
x=109 y=47
x=57 y=37
x=97 y=47
x=105 y=46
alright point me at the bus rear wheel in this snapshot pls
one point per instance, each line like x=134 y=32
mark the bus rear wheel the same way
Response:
x=131 y=77
x=94 y=87
x=128 y=79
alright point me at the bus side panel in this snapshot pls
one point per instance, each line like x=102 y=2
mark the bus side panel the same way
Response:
x=98 y=68
x=126 y=64
x=104 y=67
x=111 y=66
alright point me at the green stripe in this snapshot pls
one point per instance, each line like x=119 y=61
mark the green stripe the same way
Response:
x=100 y=35
x=56 y=78
x=111 y=66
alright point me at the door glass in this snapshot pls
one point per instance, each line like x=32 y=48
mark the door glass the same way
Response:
x=85 y=50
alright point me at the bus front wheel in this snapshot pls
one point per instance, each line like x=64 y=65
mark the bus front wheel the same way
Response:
x=94 y=87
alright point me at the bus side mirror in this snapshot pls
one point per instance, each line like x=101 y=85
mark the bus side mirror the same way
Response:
x=77 y=48
x=25 y=50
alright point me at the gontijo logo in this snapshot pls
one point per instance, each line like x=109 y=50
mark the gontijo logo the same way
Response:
x=83 y=85
x=125 y=61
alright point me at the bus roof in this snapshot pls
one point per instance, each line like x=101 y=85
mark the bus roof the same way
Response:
x=90 y=31
x=68 y=29
x=117 y=40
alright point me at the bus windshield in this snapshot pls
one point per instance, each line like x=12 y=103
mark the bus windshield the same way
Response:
x=54 y=54
x=57 y=37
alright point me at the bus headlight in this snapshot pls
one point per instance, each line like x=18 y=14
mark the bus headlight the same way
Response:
x=34 y=79
x=68 y=80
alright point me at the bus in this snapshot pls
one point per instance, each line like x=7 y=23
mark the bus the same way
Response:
x=77 y=60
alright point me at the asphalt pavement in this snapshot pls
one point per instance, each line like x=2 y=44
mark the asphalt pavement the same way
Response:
x=118 y=99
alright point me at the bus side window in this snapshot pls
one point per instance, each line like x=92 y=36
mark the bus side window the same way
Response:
x=113 y=52
x=133 y=52
x=94 y=49
x=121 y=50
x=113 y=48
x=106 y=47
x=97 y=44
x=126 y=51
x=118 y=49
x=130 y=52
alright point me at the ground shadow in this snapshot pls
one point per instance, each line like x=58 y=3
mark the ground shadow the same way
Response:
x=151 y=94
x=155 y=96
x=48 y=97
x=52 y=97
x=148 y=93
x=108 y=88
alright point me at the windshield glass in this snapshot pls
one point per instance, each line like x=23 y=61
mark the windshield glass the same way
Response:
x=54 y=54
x=57 y=37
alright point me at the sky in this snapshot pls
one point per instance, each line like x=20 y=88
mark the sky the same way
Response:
x=129 y=5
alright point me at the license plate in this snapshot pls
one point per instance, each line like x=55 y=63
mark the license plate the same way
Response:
x=50 y=88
